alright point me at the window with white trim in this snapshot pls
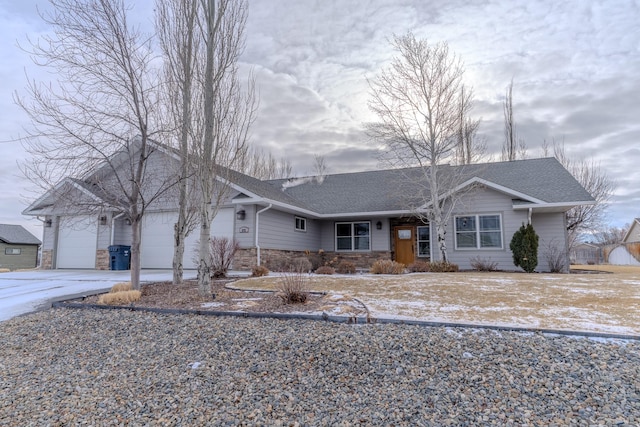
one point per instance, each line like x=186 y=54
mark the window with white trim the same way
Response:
x=478 y=231
x=353 y=236
x=12 y=251
x=424 y=243
x=301 y=224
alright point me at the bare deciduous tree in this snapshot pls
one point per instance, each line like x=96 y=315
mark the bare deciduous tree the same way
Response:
x=611 y=235
x=470 y=148
x=513 y=147
x=95 y=123
x=228 y=111
x=181 y=42
x=263 y=165
x=586 y=218
x=419 y=102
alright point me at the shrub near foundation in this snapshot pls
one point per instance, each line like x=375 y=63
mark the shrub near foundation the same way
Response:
x=386 y=266
x=346 y=267
x=325 y=269
x=259 y=271
x=420 y=267
x=443 y=267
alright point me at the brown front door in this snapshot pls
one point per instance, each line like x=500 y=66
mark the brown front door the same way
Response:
x=404 y=244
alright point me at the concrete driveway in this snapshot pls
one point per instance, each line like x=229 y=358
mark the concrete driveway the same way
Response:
x=26 y=291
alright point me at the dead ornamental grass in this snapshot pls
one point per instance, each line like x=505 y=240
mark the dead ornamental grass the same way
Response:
x=117 y=298
x=582 y=302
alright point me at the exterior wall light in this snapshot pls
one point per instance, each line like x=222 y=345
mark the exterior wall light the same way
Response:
x=241 y=215
x=379 y=225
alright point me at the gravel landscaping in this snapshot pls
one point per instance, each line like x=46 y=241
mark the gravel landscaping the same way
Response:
x=102 y=367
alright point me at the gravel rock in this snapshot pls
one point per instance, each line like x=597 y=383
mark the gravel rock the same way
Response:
x=101 y=367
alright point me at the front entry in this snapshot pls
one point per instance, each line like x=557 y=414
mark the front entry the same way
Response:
x=404 y=244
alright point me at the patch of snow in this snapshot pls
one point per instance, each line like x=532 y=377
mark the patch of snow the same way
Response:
x=212 y=304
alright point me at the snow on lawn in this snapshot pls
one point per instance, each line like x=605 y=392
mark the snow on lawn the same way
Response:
x=579 y=302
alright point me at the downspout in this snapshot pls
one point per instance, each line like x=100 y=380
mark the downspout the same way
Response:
x=258 y=229
x=529 y=215
x=113 y=228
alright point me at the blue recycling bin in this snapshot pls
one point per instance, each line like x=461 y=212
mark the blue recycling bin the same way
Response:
x=120 y=257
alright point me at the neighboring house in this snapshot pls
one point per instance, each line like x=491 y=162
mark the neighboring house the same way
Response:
x=633 y=234
x=361 y=217
x=18 y=247
x=585 y=253
x=628 y=252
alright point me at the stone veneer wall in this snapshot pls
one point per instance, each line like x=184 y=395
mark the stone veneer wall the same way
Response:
x=46 y=263
x=103 y=260
x=245 y=259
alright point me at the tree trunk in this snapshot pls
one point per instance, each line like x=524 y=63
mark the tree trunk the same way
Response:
x=178 y=251
x=136 y=231
x=204 y=267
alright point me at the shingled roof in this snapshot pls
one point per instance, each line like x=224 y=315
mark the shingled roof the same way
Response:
x=543 y=181
x=17 y=235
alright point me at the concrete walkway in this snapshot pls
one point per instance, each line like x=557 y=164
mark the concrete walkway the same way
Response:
x=27 y=291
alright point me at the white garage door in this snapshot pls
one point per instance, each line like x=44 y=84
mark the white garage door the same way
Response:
x=622 y=256
x=77 y=240
x=157 y=238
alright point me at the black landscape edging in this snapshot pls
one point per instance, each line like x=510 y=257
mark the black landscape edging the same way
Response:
x=345 y=319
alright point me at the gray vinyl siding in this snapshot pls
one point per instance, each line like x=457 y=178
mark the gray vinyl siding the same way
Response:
x=104 y=233
x=551 y=230
x=277 y=231
x=483 y=201
x=49 y=234
x=26 y=259
x=247 y=238
x=380 y=239
x=122 y=234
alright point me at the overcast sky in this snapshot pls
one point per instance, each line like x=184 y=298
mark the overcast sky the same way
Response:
x=575 y=66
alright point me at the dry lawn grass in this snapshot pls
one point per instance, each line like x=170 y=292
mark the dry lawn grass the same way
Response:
x=580 y=302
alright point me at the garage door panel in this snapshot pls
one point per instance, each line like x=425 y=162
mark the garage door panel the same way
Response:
x=157 y=238
x=77 y=240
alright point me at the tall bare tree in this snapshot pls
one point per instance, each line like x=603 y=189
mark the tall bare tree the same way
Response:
x=228 y=111
x=513 y=147
x=470 y=148
x=177 y=24
x=97 y=120
x=419 y=102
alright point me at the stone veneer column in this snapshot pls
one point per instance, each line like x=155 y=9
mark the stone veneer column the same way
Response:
x=102 y=259
x=46 y=263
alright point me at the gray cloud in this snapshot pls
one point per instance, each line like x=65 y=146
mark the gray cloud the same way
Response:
x=574 y=65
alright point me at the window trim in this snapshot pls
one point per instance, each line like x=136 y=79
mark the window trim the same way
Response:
x=478 y=246
x=12 y=251
x=418 y=241
x=303 y=222
x=353 y=236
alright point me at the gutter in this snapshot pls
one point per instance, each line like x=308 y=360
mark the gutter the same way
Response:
x=113 y=228
x=258 y=230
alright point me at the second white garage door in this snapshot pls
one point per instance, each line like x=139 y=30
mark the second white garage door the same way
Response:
x=157 y=238
x=77 y=242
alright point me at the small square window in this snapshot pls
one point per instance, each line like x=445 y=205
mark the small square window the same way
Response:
x=301 y=224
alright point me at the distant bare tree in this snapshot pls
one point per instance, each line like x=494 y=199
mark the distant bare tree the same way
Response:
x=419 y=101
x=611 y=235
x=320 y=168
x=95 y=123
x=263 y=165
x=586 y=218
x=513 y=147
x=470 y=148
